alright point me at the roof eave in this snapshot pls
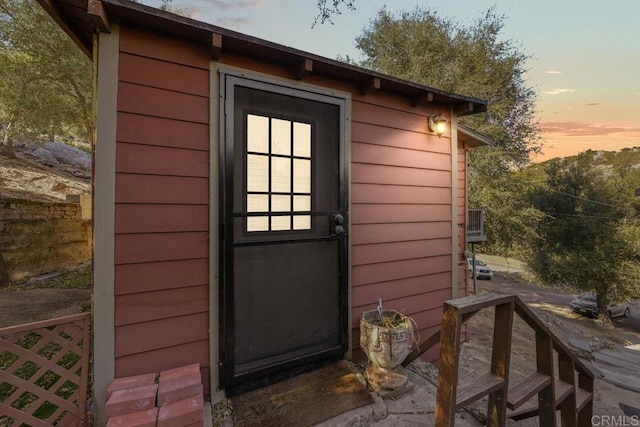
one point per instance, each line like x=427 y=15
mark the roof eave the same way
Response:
x=472 y=139
x=126 y=11
x=69 y=26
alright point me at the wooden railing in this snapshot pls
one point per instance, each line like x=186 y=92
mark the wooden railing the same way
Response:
x=571 y=392
x=44 y=372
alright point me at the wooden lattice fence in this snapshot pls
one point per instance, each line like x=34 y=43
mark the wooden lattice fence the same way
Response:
x=44 y=372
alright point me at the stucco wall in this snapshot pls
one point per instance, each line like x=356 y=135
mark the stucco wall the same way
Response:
x=38 y=237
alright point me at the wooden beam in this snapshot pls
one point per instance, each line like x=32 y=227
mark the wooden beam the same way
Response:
x=584 y=399
x=464 y=108
x=500 y=362
x=522 y=392
x=477 y=389
x=567 y=374
x=430 y=342
x=544 y=363
x=473 y=303
x=422 y=98
x=95 y=10
x=371 y=85
x=53 y=11
x=216 y=46
x=447 y=385
x=303 y=68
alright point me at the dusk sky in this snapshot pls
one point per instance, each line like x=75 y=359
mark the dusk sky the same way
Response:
x=585 y=62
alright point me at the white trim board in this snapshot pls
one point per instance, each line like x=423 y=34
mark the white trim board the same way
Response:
x=104 y=218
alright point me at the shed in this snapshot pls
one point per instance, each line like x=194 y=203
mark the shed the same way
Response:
x=252 y=200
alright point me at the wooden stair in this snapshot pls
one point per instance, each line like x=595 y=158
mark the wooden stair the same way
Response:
x=571 y=392
x=477 y=389
x=562 y=392
x=527 y=389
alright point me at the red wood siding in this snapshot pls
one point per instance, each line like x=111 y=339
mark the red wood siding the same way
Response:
x=401 y=213
x=156 y=276
x=401 y=217
x=162 y=205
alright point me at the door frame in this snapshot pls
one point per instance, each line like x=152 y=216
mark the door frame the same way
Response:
x=223 y=79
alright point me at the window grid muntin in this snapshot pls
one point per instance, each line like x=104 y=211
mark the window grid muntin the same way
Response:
x=304 y=216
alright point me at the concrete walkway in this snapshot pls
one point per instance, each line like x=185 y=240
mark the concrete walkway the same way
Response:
x=617 y=372
x=413 y=407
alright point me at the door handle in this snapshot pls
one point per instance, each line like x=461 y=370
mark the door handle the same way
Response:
x=339 y=229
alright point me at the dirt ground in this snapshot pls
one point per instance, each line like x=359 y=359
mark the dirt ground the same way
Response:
x=29 y=305
x=552 y=306
x=32 y=305
x=26 y=176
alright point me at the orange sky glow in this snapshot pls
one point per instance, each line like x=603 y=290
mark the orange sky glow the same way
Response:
x=584 y=65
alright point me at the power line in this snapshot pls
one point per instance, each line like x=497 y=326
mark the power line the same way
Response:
x=573 y=195
x=584 y=198
x=580 y=215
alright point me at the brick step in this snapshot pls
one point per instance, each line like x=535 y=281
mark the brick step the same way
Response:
x=172 y=398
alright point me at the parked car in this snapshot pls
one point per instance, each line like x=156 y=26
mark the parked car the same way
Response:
x=482 y=270
x=586 y=304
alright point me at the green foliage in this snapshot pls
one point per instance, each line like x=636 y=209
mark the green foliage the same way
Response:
x=168 y=7
x=78 y=278
x=590 y=235
x=424 y=47
x=46 y=85
x=511 y=218
x=44 y=378
x=329 y=8
x=476 y=61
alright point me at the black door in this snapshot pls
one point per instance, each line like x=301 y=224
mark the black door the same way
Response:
x=284 y=227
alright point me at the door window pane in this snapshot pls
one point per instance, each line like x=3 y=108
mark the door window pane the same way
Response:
x=257 y=203
x=280 y=203
x=280 y=175
x=257 y=133
x=281 y=137
x=301 y=176
x=258 y=223
x=302 y=139
x=302 y=204
x=257 y=173
x=280 y=223
x=302 y=222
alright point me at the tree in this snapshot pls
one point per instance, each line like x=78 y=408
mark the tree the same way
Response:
x=168 y=7
x=472 y=60
x=329 y=8
x=46 y=86
x=589 y=239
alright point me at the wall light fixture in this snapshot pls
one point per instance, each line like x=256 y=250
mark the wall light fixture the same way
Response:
x=437 y=124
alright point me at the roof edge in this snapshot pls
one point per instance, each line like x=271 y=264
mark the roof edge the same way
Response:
x=224 y=32
x=51 y=8
x=472 y=138
x=132 y=13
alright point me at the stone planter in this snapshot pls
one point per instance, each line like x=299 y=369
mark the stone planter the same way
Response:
x=385 y=347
